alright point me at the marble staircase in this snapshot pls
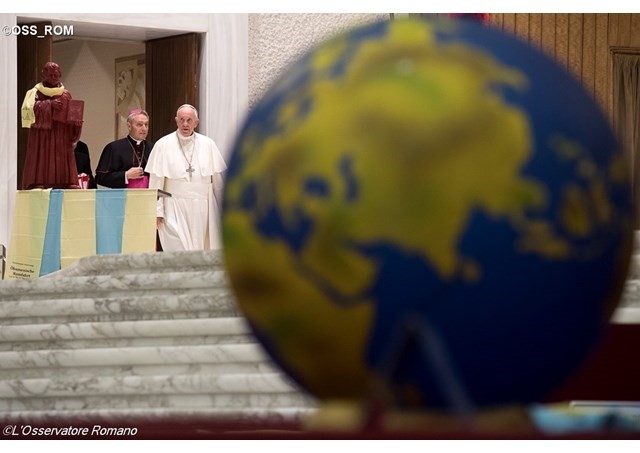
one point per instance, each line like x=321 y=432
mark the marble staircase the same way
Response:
x=155 y=336
x=152 y=335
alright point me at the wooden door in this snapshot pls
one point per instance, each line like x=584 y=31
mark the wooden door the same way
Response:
x=172 y=73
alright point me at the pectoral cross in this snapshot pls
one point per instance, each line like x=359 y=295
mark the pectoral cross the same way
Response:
x=190 y=170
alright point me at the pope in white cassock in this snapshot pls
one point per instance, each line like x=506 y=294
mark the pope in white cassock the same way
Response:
x=189 y=166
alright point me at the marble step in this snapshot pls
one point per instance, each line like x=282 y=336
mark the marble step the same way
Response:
x=121 y=285
x=110 y=357
x=174 y=415
x=195 y=303
x=125 y=329
x=86 y=335
x=626 y=315
x=634 y=267
x=155 y=262
x=90 y=363
x=147 y=335
x=631 y=294
x=167 y=391
x=114 y=343
x=156 y=369
x=185 y=402
x=269 y=383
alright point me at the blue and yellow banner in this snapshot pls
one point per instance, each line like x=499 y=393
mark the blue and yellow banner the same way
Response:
x=24 y=254
x=77 y=226
x=54 y=228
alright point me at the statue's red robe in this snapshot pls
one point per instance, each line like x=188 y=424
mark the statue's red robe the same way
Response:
x=50 y=161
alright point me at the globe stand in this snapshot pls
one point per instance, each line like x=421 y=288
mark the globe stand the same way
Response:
x=416 y=330
x=380 y=412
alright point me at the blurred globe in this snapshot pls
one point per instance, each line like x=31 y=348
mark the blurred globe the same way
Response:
x=435 y=206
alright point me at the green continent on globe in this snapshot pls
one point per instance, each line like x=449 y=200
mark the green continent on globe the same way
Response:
x=335 y=166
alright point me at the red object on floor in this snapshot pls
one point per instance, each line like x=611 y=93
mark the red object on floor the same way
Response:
x=610 y=373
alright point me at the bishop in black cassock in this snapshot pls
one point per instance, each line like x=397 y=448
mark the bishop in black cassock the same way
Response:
x=118 y=157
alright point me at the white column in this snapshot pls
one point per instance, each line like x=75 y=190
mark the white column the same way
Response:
x=8 y=125
x=224 y=79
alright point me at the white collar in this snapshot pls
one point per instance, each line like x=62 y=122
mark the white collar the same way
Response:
x=186 y=139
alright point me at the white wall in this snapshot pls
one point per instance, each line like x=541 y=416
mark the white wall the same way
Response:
x=277 y=40
x=223 y=79
x=8 y=128
x=88 y=73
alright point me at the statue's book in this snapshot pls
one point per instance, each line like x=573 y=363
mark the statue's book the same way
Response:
x=76 y=110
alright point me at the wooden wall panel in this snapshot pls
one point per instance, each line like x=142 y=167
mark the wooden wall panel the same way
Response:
x=509 y=23
x=624 y=30
x=614 y=26
x=579 y=42
x=562 y=39
x=548 y=32
x=589 y=52
x=574 y=56
x=583 y=43
x=634 y=39
x=535 y=30
x=522 y=26
x=496 y=20
x=601 y=56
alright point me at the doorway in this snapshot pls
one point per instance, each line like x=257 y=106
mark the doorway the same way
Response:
x=626 y=113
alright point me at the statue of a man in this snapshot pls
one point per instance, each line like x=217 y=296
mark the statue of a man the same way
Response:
x=55 y=123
